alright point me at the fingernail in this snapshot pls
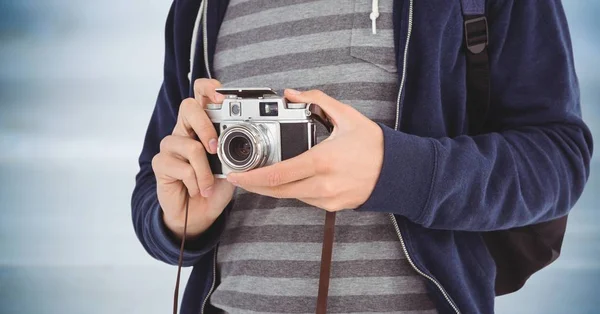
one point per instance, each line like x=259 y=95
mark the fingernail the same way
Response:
x=207 y=192
x=212 y=145
x=219 y=97
x=293 y=91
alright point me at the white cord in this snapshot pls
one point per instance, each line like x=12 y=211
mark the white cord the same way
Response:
x=195 y=40
x=374 y=15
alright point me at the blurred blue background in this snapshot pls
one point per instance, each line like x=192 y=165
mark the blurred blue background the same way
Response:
x=78 y=81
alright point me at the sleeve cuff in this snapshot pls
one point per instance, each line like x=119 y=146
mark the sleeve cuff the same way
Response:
x=195 y=248
x=407 y=176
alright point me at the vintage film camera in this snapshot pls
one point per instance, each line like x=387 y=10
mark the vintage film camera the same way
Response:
x=257 y=128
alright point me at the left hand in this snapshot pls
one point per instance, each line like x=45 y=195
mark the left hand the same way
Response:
x=338 y=173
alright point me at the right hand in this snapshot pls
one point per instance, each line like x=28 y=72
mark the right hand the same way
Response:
x=181 y=167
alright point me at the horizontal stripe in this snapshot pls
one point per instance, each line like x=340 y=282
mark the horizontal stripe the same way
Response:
x=305 y=287
x=237 y=2
x=384 y=21
x=240 y=8
x=347 y=73
x=310 y=216
x=308 y=234
x=288 y=14
x=360 y=91
x=381 y=56
x=237 y=9
x=367 y=6
x=306 y=251
x=287 y=29
x=282 y=46
x=293 y=61
x=386 y=6
x=335 y=304
x=297 y=44
x=432 y=311
x=229 y=309
x=304 y=269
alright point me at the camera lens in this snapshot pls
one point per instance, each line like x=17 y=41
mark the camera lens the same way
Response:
x=244 y=146
x=240 y=148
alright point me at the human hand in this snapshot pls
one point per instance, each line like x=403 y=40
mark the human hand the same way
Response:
x=338 y=173
x=181 y=167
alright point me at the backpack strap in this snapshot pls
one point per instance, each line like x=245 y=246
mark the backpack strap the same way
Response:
x=478 y=67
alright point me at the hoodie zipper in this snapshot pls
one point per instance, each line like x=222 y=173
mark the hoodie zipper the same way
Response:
x=410 y=261
x=398 y=109
x=212 y=286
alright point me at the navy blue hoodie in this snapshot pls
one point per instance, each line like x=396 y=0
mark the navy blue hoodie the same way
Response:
x=444 y=188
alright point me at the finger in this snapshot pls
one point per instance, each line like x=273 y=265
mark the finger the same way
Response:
x=193 y=152
x=299 y=189
x=194 y=120
x=312 y=201
x=290 y=170
x=170 y=168
x=204 y=91
x=330 y=205
x=333 y=108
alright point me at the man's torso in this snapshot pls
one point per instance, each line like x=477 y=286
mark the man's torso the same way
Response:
x=269 y=256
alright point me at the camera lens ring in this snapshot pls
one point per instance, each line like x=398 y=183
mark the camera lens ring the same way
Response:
x=253 y=138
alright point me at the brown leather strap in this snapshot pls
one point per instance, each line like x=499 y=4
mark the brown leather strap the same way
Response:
x=326 y=254
x=180 y=263
x=324 y=275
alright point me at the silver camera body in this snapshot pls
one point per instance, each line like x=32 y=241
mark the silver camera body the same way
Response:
x=257 y=128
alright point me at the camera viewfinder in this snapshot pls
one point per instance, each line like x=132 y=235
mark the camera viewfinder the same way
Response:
x=269 y=109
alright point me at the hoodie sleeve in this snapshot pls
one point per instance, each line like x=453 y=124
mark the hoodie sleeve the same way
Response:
x=146 y=212
x=532 y=169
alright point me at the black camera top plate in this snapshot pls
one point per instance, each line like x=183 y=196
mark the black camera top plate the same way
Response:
x=256 y=92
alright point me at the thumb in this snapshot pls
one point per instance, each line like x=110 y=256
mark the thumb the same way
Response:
x=336 y=110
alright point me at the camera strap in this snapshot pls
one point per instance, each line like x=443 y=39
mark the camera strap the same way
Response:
x=329 y=229
x=326 y=255
x=181 y=250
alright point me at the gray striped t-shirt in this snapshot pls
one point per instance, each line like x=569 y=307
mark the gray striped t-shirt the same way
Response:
x=269 y=255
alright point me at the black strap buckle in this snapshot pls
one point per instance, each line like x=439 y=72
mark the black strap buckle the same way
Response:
x=476 y=34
